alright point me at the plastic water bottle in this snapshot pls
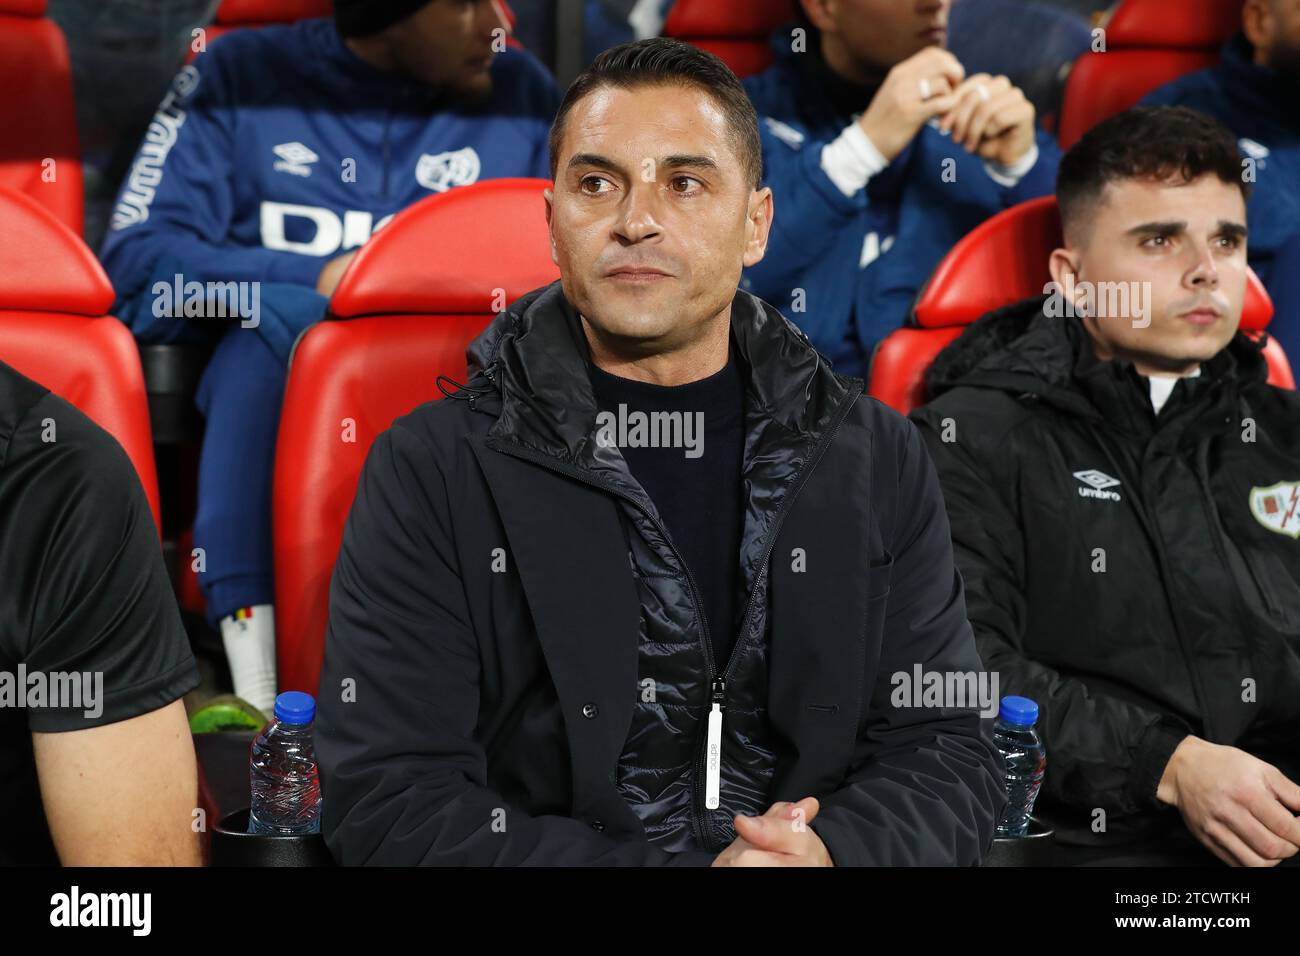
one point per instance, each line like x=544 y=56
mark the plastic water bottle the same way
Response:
x=1013 y=732
x=286 y=786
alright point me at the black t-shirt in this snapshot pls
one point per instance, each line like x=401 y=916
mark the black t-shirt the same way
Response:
x=83 y=591
x=696 y=495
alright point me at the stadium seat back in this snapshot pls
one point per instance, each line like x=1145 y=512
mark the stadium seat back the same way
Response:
x=237 y=14
x=414 y=298
x=39 y=153
x=54 y=328
x=1148 y=43
x=1103 y=84
x=899 y=363
x=1001 y=261
x=737 y=33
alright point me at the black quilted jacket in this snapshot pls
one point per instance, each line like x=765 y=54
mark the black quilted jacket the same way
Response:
x=1137 y=575
x=530 y=676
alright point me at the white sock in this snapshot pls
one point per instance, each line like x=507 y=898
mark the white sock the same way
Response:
x=249 y=638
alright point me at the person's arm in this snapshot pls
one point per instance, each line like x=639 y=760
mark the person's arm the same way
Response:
x=1104 y=751
x=1033 y=176
x=403 y=777
x=100 y=815
x=177 y=200
x=810 y=210
x=116 y=761
x=819 y=185
x=926 y=785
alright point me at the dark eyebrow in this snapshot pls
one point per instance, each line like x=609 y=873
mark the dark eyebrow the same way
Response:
x=593 y=159
x=1235 y=229
x=668 y=162
x=689 y=162
x=1158 y=229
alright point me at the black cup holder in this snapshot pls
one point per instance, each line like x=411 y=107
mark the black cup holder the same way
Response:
x=233 y=845
x=1032 y=849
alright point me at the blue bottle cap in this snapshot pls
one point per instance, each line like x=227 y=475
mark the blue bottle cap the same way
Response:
x=295 y=707
x=1020 y=711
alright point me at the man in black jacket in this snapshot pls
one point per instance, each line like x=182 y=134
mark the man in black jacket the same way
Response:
x=1124 y=488
x=655 y=587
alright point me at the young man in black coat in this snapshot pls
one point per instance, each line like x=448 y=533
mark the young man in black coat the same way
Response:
x=658 y=587
x=1124 y=487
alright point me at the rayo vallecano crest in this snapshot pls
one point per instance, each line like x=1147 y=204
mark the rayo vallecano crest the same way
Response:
x=445 y=170
x=1277 y=507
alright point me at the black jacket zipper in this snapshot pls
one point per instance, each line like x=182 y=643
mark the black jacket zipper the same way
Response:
x=717 y=683
x=578 y=474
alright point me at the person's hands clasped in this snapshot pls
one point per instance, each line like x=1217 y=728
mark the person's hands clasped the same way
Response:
x=1242 y=808
x=992 y=119
x=780 y=837
x=915 y=91
x=986 y=115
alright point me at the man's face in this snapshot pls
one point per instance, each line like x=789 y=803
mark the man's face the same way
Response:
x=652 y=217
x=448 y=45
x=1178 y=249
x=882 y=33
x=1273 y=29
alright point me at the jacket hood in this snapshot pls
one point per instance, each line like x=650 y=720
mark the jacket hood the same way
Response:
x=1021 y=349
x=529 y=366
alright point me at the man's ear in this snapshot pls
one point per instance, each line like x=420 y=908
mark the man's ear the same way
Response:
x=821 y=13
x=758 y=225
x=549 y=196
x=1063 y=264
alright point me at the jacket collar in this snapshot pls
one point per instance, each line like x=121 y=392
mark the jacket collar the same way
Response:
x=1259 y=91
x=1021 y=349
x=535 y=357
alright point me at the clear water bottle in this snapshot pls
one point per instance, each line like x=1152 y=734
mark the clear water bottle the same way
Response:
x=1013 y=732
x=286 y=786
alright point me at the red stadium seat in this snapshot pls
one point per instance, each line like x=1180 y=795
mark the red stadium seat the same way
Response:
x=415 y=296
x=737 y=33
x=1148 y=44
x=54 y=328
x=1002 y=261
x=37 y=114
x=235 y=14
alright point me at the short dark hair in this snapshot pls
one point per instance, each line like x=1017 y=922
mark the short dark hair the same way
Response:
x=661 y=61
x=1146 y=142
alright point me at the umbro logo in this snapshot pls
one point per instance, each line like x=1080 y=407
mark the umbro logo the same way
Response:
x=294 y=158
x=1097 y=482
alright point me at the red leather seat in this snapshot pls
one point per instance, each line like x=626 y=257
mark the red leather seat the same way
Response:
x=1148 y=44
x=39 y=155
x=54 y=328
x=1001 y=261
x=415 y=296
x=737 y=33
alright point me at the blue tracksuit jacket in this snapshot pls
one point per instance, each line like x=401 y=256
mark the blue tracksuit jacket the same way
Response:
x=847 y=269
x=279 y=149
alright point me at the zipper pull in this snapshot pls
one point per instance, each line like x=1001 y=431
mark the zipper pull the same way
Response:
x=713 y=747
